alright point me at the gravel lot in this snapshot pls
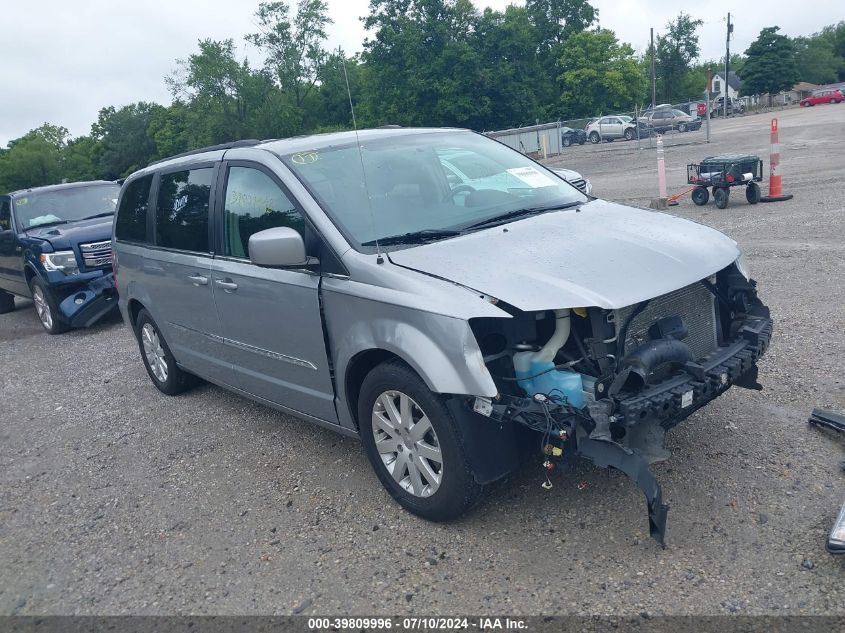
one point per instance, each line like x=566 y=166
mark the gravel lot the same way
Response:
x=116 y=499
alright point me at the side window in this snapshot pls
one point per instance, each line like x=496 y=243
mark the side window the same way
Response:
x=131 y=222
x=5 y=214
x=182 y=210
x=254 y=203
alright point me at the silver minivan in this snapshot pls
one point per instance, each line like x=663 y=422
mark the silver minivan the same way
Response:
x=360 y=282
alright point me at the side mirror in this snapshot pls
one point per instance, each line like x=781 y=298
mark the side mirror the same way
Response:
x=280 y=247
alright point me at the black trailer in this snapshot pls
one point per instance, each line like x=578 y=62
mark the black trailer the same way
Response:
x=723 y=172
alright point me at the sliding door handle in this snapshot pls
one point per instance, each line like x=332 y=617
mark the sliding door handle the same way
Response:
x=226 y=284
x=198 y=280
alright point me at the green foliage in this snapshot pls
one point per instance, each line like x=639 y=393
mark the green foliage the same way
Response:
x=770 y=64
x=294 y=46
x=122 y=143
x=600 y=75
x=676 y=50
x=556 y=20
x=816 y=59
x=34 y=159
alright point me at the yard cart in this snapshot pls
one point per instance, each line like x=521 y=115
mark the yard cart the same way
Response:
x=723 y=172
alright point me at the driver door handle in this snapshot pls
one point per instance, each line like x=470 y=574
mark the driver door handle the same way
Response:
x=198 y=280
x=226 y=284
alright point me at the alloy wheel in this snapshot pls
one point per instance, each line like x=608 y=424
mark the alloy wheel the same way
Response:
x=154 y=352
x=42 y=307
x=407 y=443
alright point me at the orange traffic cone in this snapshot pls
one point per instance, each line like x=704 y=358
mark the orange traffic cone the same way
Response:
x=775 y=190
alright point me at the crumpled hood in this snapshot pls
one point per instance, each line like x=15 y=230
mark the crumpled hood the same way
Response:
x=606 y=255
x=65 y=236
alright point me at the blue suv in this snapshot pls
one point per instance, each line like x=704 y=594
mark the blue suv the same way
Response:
x=55 y=246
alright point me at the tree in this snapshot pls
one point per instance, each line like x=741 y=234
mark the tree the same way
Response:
x=601 y=74
x=294 y=48
x=770 y=64
x=816 y=60
x=556 y=20
x=33 y=160
x=675 y=53
x=123 y=144
x=422 y=66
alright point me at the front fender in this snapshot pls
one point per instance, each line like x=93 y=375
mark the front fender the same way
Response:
x=441 y=349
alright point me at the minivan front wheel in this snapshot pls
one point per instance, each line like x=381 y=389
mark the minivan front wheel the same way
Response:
x=46 y=307
x=158 y=359
x=412 y=442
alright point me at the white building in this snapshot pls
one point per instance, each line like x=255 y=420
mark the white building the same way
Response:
x=718 y=85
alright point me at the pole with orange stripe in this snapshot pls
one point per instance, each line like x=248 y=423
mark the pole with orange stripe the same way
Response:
x=775 y=189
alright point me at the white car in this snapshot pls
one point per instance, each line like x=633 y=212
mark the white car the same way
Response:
x=609 y=128
x=573 y=177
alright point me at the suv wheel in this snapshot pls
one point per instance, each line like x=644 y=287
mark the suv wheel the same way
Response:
x=161 y=366
x=567 y=141
x=413 y=444
x=7 y=302
x=46 y=307
x=629 y=134
x=595 y=138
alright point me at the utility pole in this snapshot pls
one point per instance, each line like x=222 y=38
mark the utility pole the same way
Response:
x=727 y=64
x=653 y=74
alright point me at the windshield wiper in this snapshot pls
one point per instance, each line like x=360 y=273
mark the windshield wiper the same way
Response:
x=415 y=237
x=511 y=215
x=43 y=224
x=97 y=215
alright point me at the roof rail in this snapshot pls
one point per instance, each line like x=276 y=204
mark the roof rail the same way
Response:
x=212 y=148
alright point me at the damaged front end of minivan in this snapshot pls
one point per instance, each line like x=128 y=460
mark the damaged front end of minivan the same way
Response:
x=608 y=383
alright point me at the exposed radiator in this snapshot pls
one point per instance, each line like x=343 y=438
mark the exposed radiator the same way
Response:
x=694 y=304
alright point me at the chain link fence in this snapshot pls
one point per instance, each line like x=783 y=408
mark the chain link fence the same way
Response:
x=686 y=122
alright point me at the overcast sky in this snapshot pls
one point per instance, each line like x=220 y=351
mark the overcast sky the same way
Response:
x=62 y=60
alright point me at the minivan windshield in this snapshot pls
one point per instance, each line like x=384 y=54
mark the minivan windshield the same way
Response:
x=426 y=186
x=60 y=206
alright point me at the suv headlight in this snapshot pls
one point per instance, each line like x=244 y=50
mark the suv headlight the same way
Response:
x=64 y=261
x=742 y=267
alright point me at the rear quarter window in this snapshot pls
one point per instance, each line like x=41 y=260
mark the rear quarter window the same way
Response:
x=131 y=221
x=182 y=210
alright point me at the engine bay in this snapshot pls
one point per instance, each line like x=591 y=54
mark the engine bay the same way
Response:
x=607 y=384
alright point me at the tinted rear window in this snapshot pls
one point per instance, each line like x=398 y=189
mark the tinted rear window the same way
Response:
x=131 y=223
x=182 y=210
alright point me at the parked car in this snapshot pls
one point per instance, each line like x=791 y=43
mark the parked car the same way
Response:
x=55 y=247
x=667 y=119
x=822 y=96
x=570 y=136
x=348 y=280
x=735 y=106
x=574 y=178
x=610 y=128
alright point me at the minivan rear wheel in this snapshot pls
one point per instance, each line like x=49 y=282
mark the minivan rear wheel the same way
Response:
x=413 y=444
x=166 y=375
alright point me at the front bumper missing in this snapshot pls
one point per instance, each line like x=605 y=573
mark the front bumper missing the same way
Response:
x=87 y=305
x=667 y=403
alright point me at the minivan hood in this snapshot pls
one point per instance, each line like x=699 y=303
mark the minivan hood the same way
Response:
x=65 y=236
x=602 y=254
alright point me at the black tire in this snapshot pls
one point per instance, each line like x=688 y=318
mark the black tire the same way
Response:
x=46 y=307
x=582 y=141
x=752 y=193
x=682 y=127
x=176 y=380
x=700 y=196
x=629 y=134
x=595 y=139
x=721 y=195
x=7 y=302
x=457 y=490
x=567 y=141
